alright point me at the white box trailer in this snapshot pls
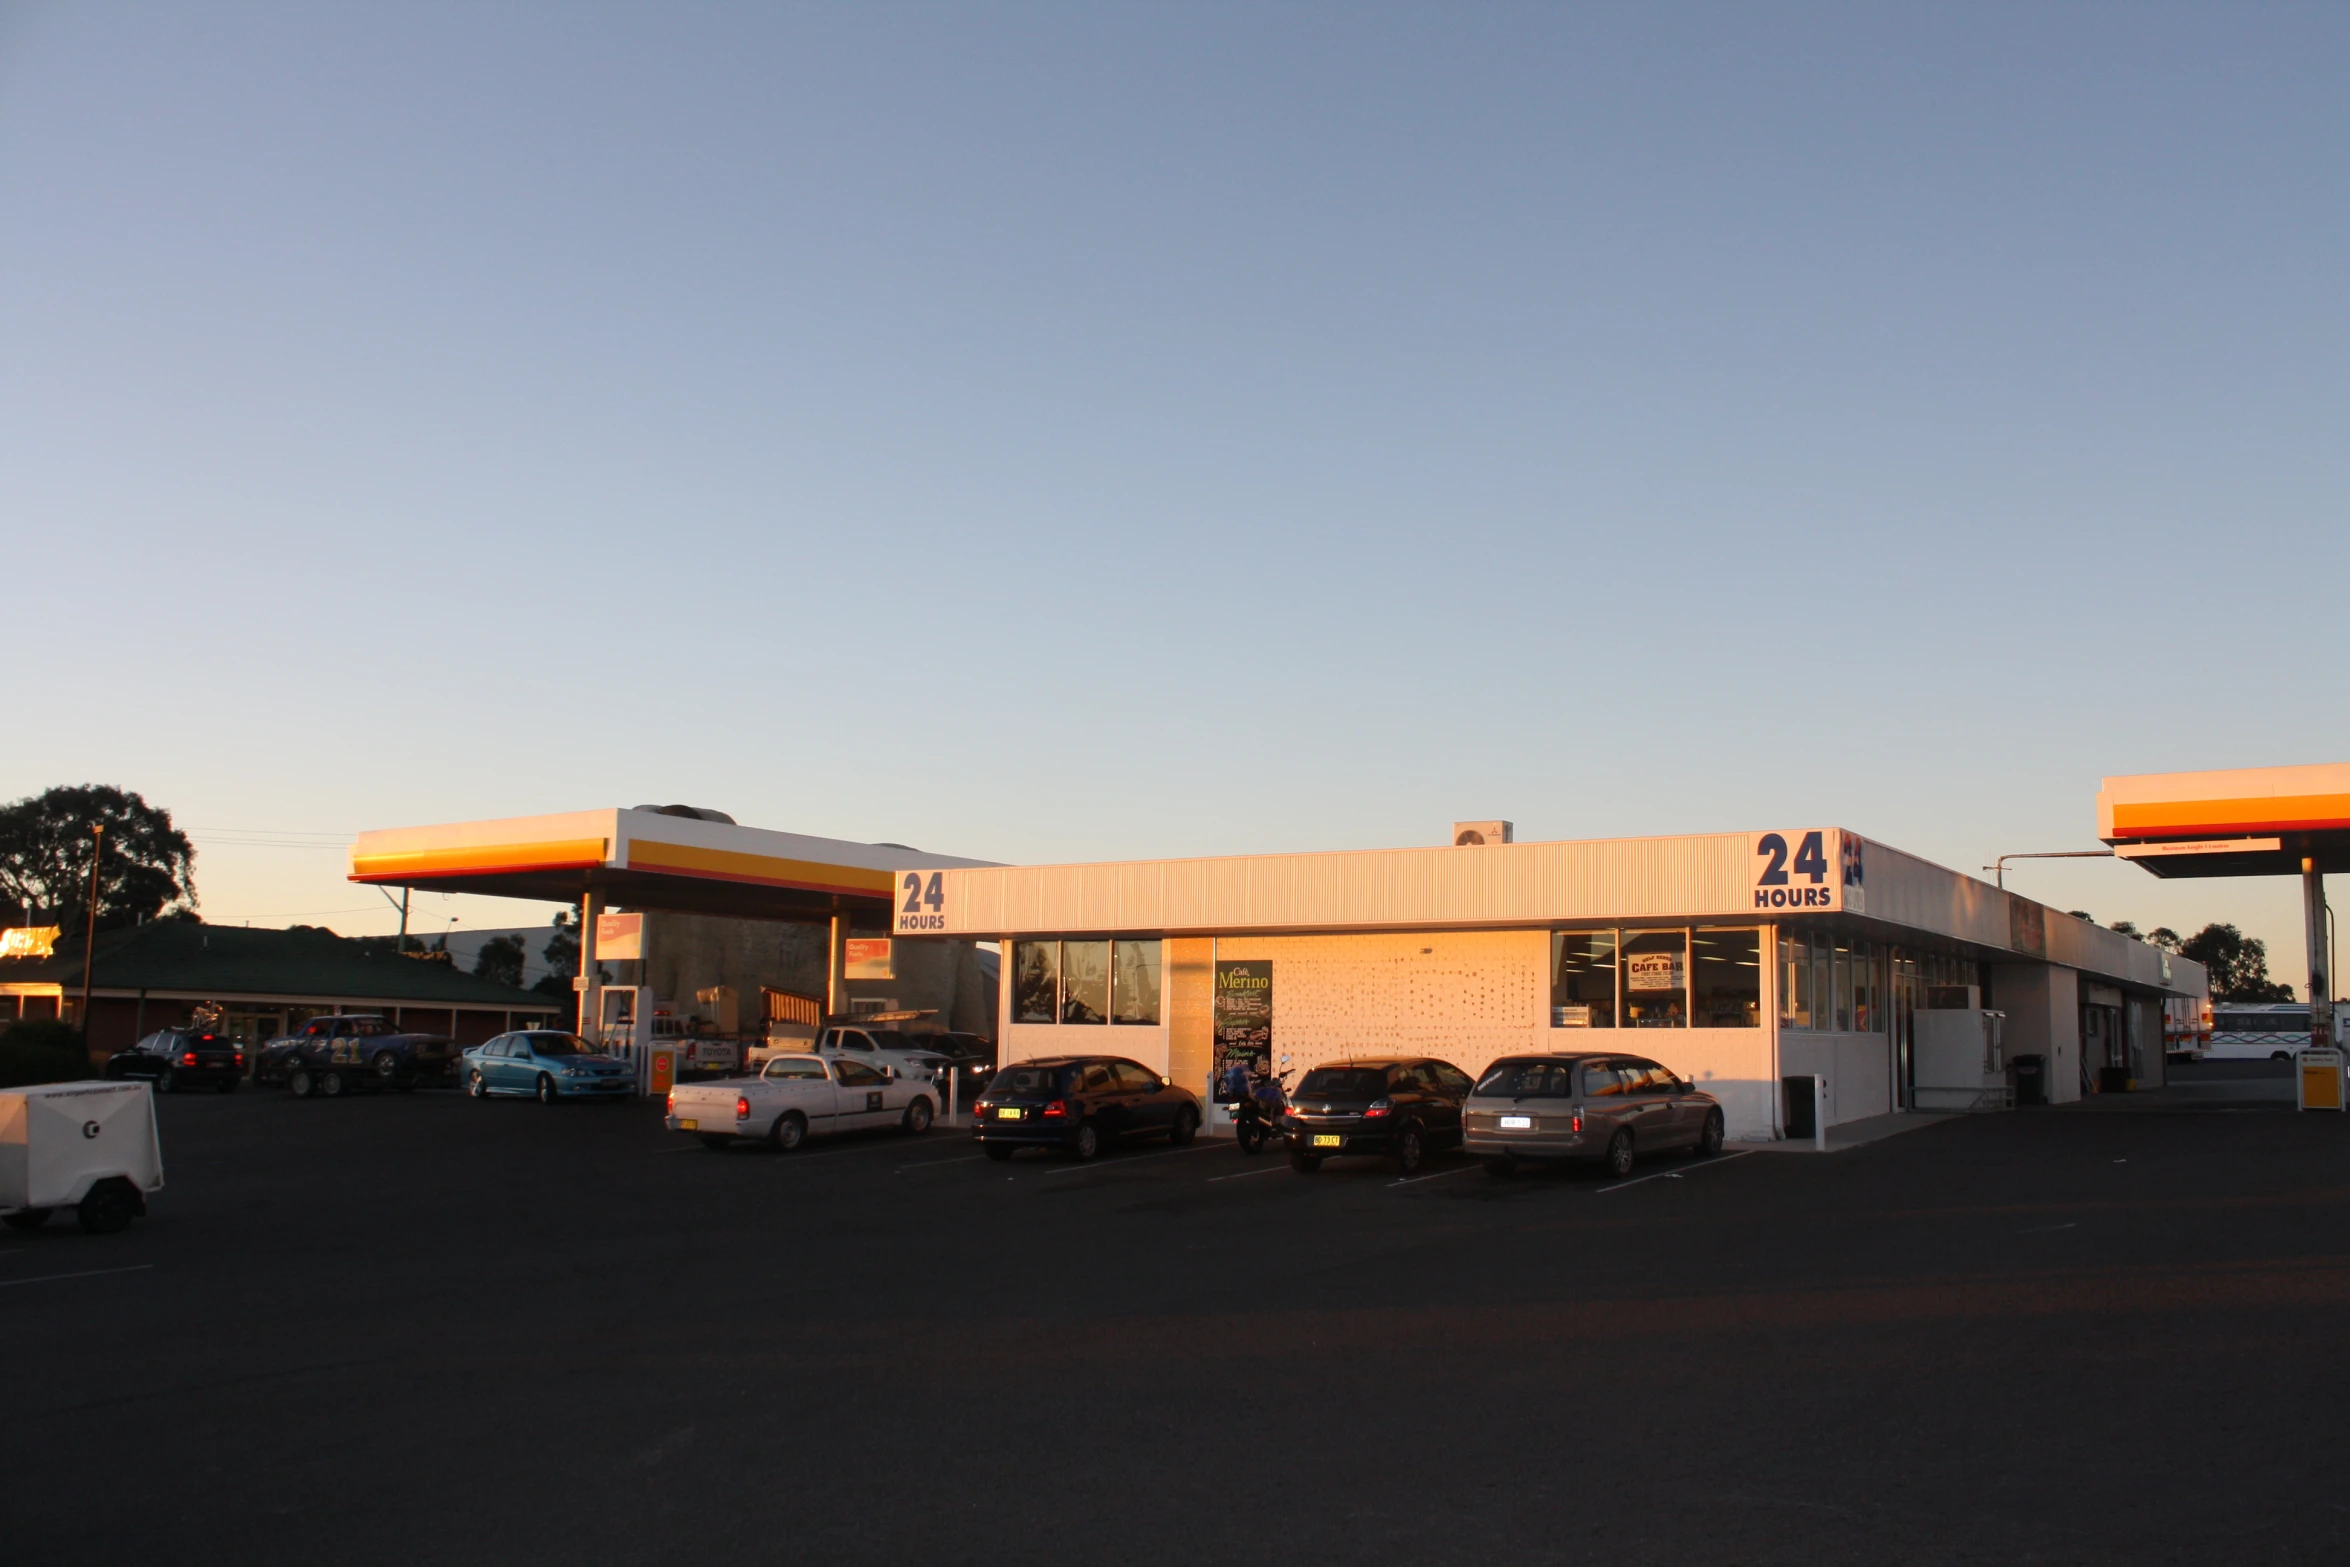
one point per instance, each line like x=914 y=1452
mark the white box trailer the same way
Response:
x=91 y=1147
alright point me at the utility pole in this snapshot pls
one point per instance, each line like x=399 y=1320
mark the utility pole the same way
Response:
x=90 y=939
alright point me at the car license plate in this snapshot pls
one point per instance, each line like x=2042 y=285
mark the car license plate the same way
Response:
x=689 y=1126
x=1007 y=1115
x=1517 y=1123
x=1326 y=1139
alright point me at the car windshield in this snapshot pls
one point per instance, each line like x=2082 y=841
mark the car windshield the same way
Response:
x=1344 y=1082
x=1528 y=1080
x=558 y=1045
x=371 y=1027
x=1026 y=1082
x=890 y=1039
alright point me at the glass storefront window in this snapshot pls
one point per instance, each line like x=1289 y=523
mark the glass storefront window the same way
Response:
x=1582 y=979
x=1036 y=981
x=1794 y=980
x=1134 y=982
x=1727 y=975
x=1656 y=979
x=1864 y=989
x=1843 y=983
x=1085 y=982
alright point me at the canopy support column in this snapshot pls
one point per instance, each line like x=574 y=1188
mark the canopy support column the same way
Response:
x=836 y=967
x=2321 y=983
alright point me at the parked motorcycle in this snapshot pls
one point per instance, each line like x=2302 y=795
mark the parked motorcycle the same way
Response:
x=1256 y=1115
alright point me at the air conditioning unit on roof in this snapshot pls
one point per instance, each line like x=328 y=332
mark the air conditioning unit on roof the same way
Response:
x=1465 y=834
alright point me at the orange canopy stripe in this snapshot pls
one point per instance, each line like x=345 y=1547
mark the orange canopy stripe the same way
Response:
x=2218 y=818
x=479 y=860
x=764 y=870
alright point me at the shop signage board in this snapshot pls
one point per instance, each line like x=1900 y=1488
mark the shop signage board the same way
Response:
x=1793 y=871
x=28 y=941
x=620 y=938
x=922 y=903
x=1243 y=1025
x=866 y=957
x=1654 y=971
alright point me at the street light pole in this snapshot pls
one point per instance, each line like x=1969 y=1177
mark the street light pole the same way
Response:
x=90 y=938
x=2060 y=854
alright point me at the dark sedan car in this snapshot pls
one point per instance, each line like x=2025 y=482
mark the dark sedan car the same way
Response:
x=1390 y=1108
x=1082 y=1104
x=176 y=1058
x=354 y=1050
x=1604 y=1108
x=967 y=1057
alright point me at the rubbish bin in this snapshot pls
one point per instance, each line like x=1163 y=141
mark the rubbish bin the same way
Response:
x=2031 y=1080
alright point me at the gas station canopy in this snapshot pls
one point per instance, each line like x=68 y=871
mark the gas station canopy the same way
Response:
x=648 y=858
x=2257 y=821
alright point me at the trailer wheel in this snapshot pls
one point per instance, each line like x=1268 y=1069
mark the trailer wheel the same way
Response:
x=108 y=1208
x=330 y=1085
x=25 y=1218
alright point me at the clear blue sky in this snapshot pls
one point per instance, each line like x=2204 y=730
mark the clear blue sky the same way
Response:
x=1052 y=433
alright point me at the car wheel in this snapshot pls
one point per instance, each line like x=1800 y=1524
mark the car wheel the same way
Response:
x=477 y=1085
x=918 y=1115
x=2279 y=1055
x=714 y=1141
x=331 y=1085
x=108 y=1208
x=1186 y=1127
x=1619 y=1155
x=789 y=1131
x=1709 y=1141
x=999 y=1152
x=1410 y=1152
x=25 y=1218
x=298 y=1082
x=1305 y=1163
x=1501 y=1166
x=164 y=1084
x=386 y=1066
x=1088 y=1144
x=546 y=1089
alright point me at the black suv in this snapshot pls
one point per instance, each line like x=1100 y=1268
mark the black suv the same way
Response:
x=1401 y=1109
x=181 y=1058
x=1082 y=1104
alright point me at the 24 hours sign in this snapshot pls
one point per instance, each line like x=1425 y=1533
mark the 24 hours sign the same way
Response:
x=922 y=902
x=1819 y=868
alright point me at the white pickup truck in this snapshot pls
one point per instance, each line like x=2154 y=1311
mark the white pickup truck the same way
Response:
x=796 y=1097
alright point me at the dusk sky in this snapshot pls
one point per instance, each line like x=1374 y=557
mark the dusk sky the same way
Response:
x=1050 y=433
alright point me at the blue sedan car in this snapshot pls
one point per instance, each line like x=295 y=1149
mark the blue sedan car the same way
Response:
x=547 y=1066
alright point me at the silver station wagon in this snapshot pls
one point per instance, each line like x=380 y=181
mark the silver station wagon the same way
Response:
x=1607 y=1109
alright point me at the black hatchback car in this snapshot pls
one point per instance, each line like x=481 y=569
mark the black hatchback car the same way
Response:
x=1081 y=1104
x=175 y=1058
x=1390 y=1108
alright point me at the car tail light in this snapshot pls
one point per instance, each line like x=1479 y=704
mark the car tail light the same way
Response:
x=1057 y=1110
x=669 y=1104
x=240 y=1058
x=742 y=1107
x=1578 y=1126
x=1378 y=1108
x=189 y=1059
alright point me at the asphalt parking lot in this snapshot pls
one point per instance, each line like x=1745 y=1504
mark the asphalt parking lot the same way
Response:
x=425 y=1329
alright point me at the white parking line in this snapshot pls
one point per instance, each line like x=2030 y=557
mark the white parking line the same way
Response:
x=1168 y=1153
x=51 y=1278
x=1271 y=1169
x=1438 y=1176
x=1617 y=1186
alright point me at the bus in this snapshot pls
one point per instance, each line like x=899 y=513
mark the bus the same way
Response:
x=2263 y=1030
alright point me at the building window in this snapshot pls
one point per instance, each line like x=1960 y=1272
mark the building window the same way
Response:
x=1727 y=974
x=1134 y=982
x=1843 y=984
x=1794 y=980
x=1085 y=982
x=1864 y=989
x=1583 y=979
x=1656 y=979
x=1036 y=981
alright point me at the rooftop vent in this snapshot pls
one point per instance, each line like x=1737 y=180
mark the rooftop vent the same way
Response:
x=1476 y=834
x=690 y=812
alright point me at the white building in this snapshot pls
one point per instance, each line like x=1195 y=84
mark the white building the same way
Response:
x=1737 y=959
